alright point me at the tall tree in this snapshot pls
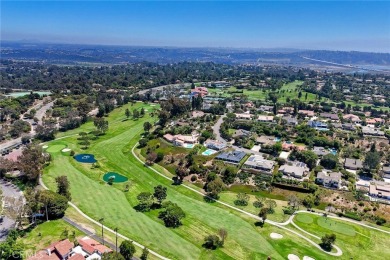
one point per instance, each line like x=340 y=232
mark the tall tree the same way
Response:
x=160 y=193
x=31 y=162
x=63 y=186
x=127 y=249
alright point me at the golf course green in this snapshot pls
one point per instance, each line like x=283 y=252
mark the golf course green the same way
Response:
x=98 y=200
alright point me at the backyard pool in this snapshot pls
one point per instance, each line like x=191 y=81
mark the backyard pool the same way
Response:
x=209 y=152
x=333 y=151
x=189 y=146
x=277 y=139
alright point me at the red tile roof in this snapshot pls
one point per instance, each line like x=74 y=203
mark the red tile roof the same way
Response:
x=90 y=245
x=64 y=247
x=77 y=257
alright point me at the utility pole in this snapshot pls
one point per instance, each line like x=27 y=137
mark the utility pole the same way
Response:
x=116 y=239
x=101 y=222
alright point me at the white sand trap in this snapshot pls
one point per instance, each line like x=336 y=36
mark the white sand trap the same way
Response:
x=292 y=257
x=308 y=258
x=276 y=236
x=146 y=110
x=66 y=150
x=152 y=105
x=45 y=146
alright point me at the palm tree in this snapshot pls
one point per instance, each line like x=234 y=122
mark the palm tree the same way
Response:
x=101 y=222
x=116 y=239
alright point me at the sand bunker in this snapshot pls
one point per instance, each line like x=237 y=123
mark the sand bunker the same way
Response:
x=308 y=258
x=45 y=146
x=66 y=150
x=292 y=257
x=276 y=236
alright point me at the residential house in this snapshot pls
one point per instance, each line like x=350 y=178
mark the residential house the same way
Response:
x=330 y=116
x=353 y=118
x=353 y=164
x=87 y=249
x=265 y=119
x=214 y=144
x=233 y=157
x=290 y=120
x=242 y=133
x=182 y=140
x=320 y=151
x=331 y=179
x=60 y=250
x=202 y=91
x=295 y=169
x=318 y=125
x=307 y=113
x=366 y=130
x=348 y=127
x=245 y=116
x=257 y=163
x=265 y=140
x=264 y=108
x=380 y=189
x=386 y=171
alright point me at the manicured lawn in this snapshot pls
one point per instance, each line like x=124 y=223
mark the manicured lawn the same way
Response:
x=355 y=241
x=278 y=215
x=304 y=218
x=47 y=233
x=336 y=226
x=55 y=148
x=287 y=91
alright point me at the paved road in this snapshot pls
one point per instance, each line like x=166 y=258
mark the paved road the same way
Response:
x=9 y=191
x=41 y=111
x=216 y=128
x=89 y=233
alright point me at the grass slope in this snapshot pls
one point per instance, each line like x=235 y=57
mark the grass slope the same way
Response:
x=355 y=241
x=97 y=199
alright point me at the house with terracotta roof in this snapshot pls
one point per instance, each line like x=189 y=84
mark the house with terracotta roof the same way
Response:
x=60 y=250
x=202 y=91
x=87 y=249
x=308 y=113
x=353 y=118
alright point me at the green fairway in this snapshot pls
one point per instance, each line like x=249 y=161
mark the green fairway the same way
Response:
x=100 y=200
x=336 y=226
x=304 y=218
x=55 y=148
x=289 y=90
x=355 y=241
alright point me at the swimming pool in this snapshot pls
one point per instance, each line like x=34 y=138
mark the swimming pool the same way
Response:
x=209 y=152
x=333 y=151
x=189 y=146
x=277 y=139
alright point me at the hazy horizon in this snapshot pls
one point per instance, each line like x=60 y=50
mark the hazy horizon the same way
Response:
x=336 y=26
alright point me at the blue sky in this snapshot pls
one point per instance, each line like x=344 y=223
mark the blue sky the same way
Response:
x=330 y=25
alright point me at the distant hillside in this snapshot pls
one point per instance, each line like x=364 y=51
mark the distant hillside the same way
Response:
x=76 y=54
